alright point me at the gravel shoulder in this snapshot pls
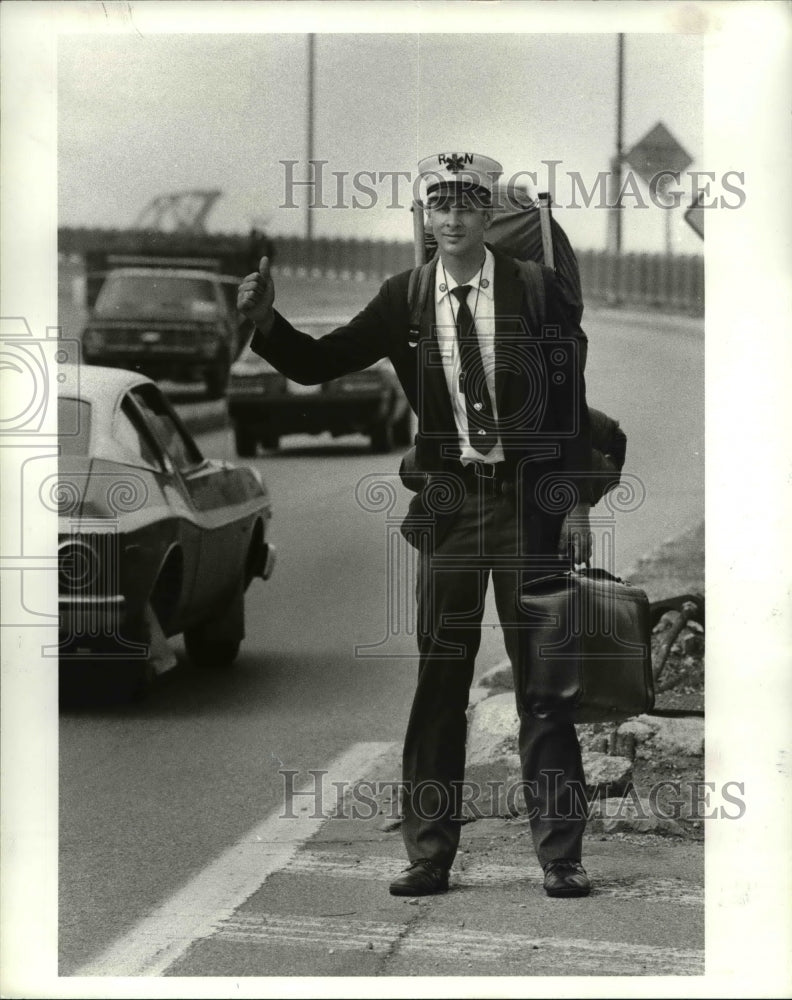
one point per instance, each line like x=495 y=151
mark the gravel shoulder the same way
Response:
x=625 y=763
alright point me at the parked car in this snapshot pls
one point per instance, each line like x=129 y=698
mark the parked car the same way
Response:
x=264 y=405
x=150 y=532
x=176 y=323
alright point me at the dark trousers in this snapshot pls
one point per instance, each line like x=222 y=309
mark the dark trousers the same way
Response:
x=483 y=541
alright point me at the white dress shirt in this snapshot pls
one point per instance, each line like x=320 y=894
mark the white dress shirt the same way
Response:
x=481 y=302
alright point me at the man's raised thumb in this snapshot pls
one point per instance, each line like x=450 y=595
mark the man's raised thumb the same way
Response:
x=264 y=267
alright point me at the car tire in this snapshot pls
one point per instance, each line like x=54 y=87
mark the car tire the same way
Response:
x=144 y=677
x=245 y=441
x=382 y=437
x=217 y=378
x=214 y=644
x=214 y=654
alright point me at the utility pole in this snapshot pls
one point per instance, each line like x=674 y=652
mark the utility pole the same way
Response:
x=310 y=137
x=615 y=240
x=669 y=237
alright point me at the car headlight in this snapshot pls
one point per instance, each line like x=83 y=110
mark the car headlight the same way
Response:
x=78 y=567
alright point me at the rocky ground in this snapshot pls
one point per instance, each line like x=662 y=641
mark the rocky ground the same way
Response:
x=641 y=773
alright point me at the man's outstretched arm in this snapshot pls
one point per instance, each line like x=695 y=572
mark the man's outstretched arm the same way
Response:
x=300 y=357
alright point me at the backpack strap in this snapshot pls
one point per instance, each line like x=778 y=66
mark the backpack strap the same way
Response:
x=533 y=278
x=417 y=291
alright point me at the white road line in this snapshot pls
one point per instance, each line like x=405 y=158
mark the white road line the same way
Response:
x=212 y=896
x=334 y=864
x=597 y=956
x=346 y=935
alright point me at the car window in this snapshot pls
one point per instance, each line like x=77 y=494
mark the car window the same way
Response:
x=133 y=438
x=74 y=426
x=179 y=447
x=148 y=295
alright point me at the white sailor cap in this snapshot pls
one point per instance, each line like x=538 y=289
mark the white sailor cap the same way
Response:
x=445 y=174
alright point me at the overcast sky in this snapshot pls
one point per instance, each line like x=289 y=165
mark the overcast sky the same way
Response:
x=141 y=115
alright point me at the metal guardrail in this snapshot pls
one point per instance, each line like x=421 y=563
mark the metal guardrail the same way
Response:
x=643 y=280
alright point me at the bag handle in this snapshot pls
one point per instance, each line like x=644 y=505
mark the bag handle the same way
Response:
x=591 y=573
x=597 y=573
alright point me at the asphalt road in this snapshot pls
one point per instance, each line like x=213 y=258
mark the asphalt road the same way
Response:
x=149 y=795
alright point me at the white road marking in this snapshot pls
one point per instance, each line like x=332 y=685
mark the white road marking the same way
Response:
x=453 y=943
x=214 y=893
x=333 y=864
x=321 y=932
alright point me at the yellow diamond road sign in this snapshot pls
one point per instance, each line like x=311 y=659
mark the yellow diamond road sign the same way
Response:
x=658 y=150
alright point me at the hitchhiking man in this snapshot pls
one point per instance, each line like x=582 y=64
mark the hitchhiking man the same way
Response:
x=495 y=419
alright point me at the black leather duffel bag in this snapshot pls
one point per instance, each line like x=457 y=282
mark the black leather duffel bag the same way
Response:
x=584 y=647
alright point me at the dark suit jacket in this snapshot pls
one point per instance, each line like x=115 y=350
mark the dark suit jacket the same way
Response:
x=539 y=383
x=608 y=452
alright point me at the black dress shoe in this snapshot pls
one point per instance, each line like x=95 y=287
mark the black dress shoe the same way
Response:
x=422 y=878
x=566 y=878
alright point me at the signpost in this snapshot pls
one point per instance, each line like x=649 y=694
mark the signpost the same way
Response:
x=657 y=152
x=615 y=219
x=310 y=132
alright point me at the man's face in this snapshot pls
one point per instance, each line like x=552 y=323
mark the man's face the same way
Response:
x=458 y=225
